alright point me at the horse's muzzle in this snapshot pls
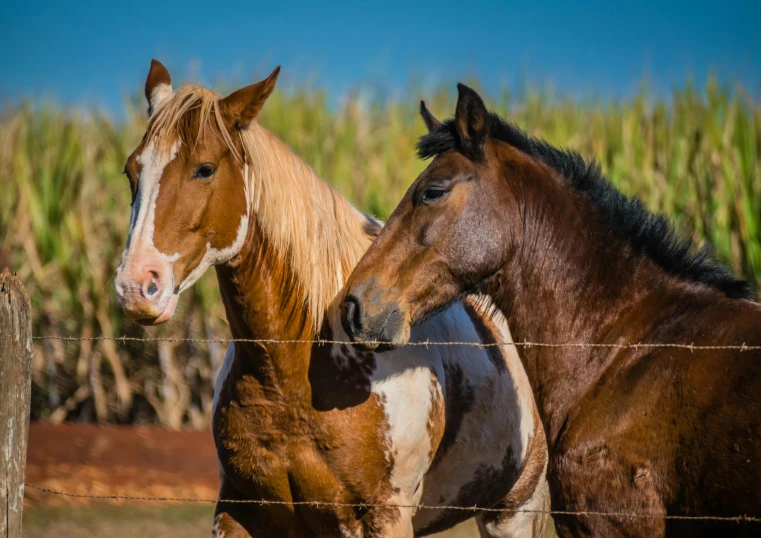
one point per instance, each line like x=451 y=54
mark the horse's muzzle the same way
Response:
x=145 y=288
x=372 y=325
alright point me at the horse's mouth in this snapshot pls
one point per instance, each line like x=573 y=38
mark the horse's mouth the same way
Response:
x=164 y=316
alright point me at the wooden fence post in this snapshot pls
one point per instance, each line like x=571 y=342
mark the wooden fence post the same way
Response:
x=15 y=395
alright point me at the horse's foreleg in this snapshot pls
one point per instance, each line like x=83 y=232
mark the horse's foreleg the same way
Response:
x=528 y=521
x=232 y=520
x=399 y=526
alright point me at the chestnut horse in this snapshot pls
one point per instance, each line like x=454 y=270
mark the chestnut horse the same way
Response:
x=301 y=422
x=568 y=259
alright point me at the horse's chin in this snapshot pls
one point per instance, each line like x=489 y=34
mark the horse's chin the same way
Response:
x=379 y=346
x=165 y=316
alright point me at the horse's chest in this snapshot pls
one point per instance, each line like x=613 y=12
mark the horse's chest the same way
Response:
x=366 y=451
x=253 y=440
x=368 y=437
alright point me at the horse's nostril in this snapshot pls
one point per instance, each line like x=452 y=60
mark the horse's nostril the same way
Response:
x=351 y=318
x=152 y=289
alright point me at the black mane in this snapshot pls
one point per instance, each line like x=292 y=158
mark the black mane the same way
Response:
x=649 y=233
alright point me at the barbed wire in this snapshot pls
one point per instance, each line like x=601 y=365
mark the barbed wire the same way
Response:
x=525 y=344
x=317 y=504
x=427 y=343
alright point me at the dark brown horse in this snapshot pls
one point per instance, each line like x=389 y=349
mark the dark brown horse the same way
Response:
x=567 y=258
x=303 y=422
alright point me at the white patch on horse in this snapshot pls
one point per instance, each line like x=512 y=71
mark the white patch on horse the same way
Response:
x=346 y=532
x=521 y=385
x=402 y=381
x=499 y=421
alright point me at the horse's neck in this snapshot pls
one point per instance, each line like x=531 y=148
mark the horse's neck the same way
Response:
x=257 y=303
x=266 y=293
x=253 y=304
x=567 y=283
x=314 y=230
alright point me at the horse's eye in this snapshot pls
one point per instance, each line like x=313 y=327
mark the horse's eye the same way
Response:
x=431 y=194
x=205 y=171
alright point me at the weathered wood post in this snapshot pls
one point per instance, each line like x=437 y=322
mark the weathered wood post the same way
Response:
x=15 y=395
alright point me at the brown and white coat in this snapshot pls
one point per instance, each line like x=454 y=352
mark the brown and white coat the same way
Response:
x=297 y=421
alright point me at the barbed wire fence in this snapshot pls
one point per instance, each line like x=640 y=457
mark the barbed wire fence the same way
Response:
x=123 y=376
x=742 y=347
x=16 y=340
x=365 y=505
x=427 y=343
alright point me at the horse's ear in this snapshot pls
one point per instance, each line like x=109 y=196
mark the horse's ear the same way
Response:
x=430 y=122
x=158 y=86
x=472 y=122
x=241 y=107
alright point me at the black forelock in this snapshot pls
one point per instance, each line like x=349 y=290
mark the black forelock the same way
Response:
x=649 y=233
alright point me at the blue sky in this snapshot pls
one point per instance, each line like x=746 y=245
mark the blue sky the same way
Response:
x=93 y=52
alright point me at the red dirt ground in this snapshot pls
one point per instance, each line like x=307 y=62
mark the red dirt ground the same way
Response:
x=128 y=460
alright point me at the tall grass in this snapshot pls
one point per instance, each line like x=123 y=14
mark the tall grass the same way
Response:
x=64 y=206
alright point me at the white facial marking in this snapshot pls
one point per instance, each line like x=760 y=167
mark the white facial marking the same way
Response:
x=153 y=161
x=140 y=242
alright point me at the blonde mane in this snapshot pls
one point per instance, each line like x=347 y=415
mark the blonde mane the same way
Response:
x=309 y=225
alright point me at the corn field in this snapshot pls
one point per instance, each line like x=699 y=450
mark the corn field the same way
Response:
x=64 y=211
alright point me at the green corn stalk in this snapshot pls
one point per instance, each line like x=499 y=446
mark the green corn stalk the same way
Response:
x=64 y=208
